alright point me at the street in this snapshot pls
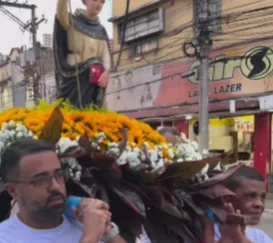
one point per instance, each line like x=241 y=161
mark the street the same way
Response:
x=267 y=221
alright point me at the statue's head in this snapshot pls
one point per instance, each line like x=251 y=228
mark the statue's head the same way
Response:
x=93 y=7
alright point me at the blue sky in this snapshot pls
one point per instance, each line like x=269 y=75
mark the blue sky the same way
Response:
x=12 y=36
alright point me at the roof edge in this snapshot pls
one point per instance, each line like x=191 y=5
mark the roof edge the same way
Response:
x=137 y=11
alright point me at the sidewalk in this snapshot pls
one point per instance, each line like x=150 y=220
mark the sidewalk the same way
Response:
x=269 y=203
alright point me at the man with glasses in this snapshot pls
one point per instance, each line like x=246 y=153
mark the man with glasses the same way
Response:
x=34 y=178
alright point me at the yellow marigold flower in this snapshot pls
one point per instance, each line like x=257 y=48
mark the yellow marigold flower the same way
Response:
x=90 y=122
x=34 y=124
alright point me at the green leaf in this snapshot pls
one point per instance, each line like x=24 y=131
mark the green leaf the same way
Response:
x=52 y=130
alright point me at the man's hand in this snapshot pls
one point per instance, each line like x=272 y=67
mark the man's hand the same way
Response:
x=104 y=79
x=232 y=233
x=95 y=217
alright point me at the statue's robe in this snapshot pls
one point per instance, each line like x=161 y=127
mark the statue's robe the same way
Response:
x=77 y=40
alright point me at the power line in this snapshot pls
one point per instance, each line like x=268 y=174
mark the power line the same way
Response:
x=32 y=26
x=123 y=34
x=229 y=17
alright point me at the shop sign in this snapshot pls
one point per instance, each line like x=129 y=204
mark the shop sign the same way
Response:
x=255 y=64
x=243 y=126
x=239 y=71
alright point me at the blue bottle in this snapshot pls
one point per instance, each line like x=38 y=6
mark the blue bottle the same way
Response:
x=71 y=202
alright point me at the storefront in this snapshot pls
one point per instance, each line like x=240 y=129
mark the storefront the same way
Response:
x=239 y=75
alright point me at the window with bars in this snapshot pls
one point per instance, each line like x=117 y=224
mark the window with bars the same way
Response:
x=143 y=48
x=29 y=91
x=143 y=26
x=4 y=96
x=215 y=12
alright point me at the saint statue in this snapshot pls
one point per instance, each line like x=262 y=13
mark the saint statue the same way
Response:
x=82 y=54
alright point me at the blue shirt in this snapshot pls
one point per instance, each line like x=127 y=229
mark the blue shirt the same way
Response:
x=254 y=235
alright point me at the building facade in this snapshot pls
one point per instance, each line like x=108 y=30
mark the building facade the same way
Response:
x=47 y=40
x=17 y=76
x=150 y=83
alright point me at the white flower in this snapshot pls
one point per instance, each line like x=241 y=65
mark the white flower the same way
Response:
x=142 y=156
x=204 y=170
x=100 y=135
x=19 y=135
x=65 y=143
x=114 y=151
x=133 y=160
x=3 y=135
x=122 y=160
x=11 y=125
x=112 y=145
x=195 y=145
x=146 y=145
x=30 y=134
x=171 y=153
x=11 y=133
x=160 y=154
x=20 y=128
x=205 y=152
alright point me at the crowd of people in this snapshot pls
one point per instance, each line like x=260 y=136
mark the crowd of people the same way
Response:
x=33 y=176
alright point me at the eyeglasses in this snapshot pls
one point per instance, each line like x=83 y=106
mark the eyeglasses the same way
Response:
x=44 y=181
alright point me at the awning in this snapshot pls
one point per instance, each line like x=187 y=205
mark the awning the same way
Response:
x=220 y=107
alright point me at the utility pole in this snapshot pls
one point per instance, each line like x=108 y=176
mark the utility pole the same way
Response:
x=204 y=42
x=32 y=26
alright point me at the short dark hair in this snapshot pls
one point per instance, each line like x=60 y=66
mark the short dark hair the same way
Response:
x=171 y=130
x=243 y=173
x=12 y=155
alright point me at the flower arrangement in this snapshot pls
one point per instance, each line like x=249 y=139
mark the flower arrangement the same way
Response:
x=103 y=128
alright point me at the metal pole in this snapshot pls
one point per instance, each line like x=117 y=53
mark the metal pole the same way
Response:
x=204 y=100
x=34 y=32
x=204 y=43
x=35 y=76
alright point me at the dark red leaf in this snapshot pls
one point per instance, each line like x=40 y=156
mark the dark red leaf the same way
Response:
x=131 y=197
x=157 y=198
x=52 y=130
x=85 y=143
x=73 y=152
x=217 y=191
x=122 y=145
x=218 y=178
x=183 y=171
x=104 y=162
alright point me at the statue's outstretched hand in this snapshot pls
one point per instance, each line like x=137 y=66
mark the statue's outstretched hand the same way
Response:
x=104 y=79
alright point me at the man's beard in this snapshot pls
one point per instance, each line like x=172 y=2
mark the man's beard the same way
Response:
x=45 y=211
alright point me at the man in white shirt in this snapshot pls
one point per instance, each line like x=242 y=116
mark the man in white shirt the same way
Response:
x=34 y=178
x=250 y=189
